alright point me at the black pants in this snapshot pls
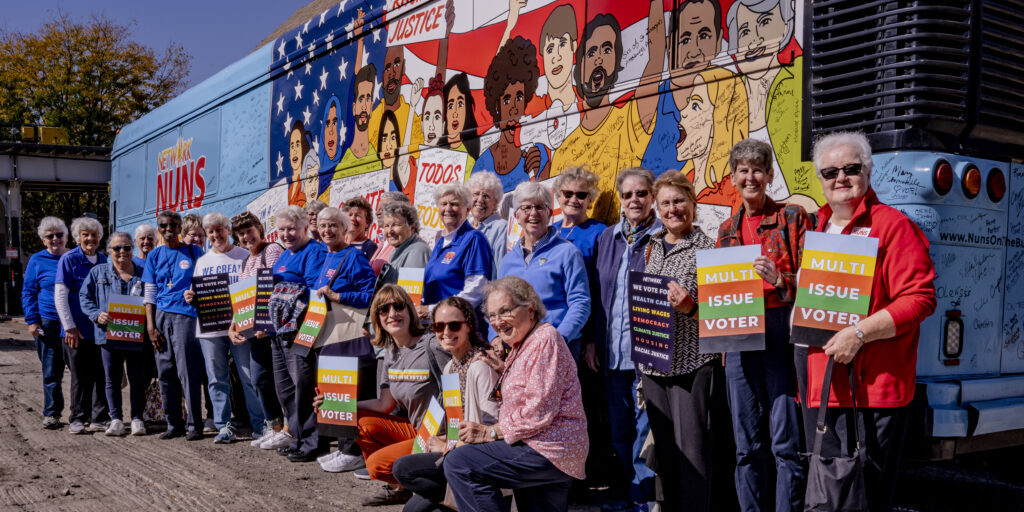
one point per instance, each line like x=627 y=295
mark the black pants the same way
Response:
x=88 y=385
x=679 y=411
x=420 y=474
x=295 y=377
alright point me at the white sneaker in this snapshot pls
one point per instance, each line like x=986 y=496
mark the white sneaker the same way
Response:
x=138 y=427
x=76 y=427
x=209 y=427
x=324 y=458
x=115 y=429
x=278 y=440
x=342 y=463
x=259 y=438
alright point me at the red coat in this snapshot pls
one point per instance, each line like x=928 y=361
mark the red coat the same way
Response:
x=885 y=370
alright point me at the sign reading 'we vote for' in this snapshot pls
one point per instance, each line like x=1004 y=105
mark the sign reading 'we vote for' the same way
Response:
x=731 y=300
x=834 y=291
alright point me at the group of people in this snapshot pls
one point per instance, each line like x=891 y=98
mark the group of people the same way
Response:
x=519 y=326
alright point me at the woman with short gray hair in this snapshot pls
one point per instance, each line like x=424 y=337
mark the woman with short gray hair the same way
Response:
x=384 y=249
x=145 y=241
x=37 y=302
x=400 y=224
x=486 y=190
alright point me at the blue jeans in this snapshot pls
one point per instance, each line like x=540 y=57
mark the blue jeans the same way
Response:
x=50 y=348
x=478 y=472
x=296 y=387
x=180 y=369
x=766 y=421
x=215 y=352
x=629 y=428
x=131 y=361
x=261 y=374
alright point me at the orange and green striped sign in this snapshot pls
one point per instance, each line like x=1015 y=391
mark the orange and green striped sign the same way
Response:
x=731 y=303
x=243 y=303
x=312 y=323
x=429 y=426
x=338 y=380
x=452 y=406
x=127 y=325
x=834 y=287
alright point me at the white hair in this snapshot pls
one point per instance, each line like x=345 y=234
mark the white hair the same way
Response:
x=216 y=220
x=145 y=229
x=86 y=224
x=454 y=189
x=760 y=7
x=335 y=214
x=120 y=234
x=531 y=190
x=295 y=214
x=488 y=181
x=394 y=195
x=315 y=206
x=856 y=141
x=52 y=224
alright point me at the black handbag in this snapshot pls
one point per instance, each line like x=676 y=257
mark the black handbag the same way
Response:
x=836 y=484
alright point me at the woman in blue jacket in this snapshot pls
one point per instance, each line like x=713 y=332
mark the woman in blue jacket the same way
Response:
x=551 y=264
x=118 y=277
x=41 y=315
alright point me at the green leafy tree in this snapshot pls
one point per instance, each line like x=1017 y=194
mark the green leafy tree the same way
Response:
x=89 y=77
x=67 y=206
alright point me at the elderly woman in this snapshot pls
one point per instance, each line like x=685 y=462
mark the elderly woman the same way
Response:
x=119 y=277
x=487 y=191
x=274 y=434
x=88 y=402
x=360 y=216
x=383 y=254
x=679 y=401
x=461 y=262
x=551 y=264
x=192 y=232
x=761 y=384
x=171 y=324
x=145 y=241
x=454 y=325
x=301 y=263
x=881 y=349
x=540 y=443
x=576 y=189
x=313 y=208
x=37 y=302
x=401 y=226
x=224 y=258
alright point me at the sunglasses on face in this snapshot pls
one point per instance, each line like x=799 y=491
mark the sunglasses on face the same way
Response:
x=626 y=196
x=384 y=309
x=567 y=194
x=831 y=173
x=119 y=248
x=167 y=225
x=51 y=236
x=454 y=326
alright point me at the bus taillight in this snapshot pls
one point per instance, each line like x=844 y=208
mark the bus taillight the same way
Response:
x=942 y=180
x=953 y=332
x=971 y=182
x=996 y=185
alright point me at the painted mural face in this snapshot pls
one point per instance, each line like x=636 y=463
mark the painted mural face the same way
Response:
x=512 y=105
x=558 y=54
x=456 y=113
x=433 y=120
x=696 y=123
x=697 y=40
x=394 y=68
x=363 y=105
x=600 y=64
x=759 y=34
x=331 y=133
x=295 y=152
x=388 y=150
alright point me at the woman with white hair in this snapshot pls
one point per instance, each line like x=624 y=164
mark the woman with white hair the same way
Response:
x=461 y=262
x=550 y=263
x=88 y=400
x=37 y=302
x=145 y=242
x=224 y=258
x=486 y=190
x=401 y=224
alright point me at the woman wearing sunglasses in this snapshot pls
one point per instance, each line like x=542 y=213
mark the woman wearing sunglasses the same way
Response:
x=576 y=189
x=118 y=277
x=455 y=327
x=540 y=442
x=412 y=376
x=37 y=301
x=550 y=263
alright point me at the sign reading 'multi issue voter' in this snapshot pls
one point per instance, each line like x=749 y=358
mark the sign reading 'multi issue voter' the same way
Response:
x=731 y=300
x=834 y=286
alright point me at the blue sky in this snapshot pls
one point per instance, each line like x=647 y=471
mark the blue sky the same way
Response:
x=215 y=32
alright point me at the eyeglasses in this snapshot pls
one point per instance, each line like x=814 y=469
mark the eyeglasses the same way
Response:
x=626 y=196
x=505 y=314
x=384 y=309
x=579 y=195
x=455 y=326
x=119 y=248
x=831 y=173
x=530 y=208
x=166 y=225
x=51 y=236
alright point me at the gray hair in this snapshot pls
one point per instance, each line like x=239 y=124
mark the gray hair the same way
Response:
x=531 y=190
x=295 y=214
x=579 y=173
x=394 y=195
x=86 y=224
x=143 y=229
x=752 y=151
x=120 y=234
x=454 y=189
x=332 y=213
x=404 y=211
x=521 y=293
x=760 y=7
x=634 y=172
x=488 y=181
x=216 y=220
x=54 y=224
x=854 y=140
x=315 y=206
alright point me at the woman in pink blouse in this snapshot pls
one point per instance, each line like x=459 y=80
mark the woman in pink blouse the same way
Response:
x=540 y=442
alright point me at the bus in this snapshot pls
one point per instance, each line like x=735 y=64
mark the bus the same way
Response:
x=368 y=96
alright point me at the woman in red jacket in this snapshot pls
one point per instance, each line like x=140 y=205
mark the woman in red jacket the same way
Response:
x=881 y=349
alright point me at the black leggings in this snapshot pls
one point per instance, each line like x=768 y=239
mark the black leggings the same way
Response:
x=420 y=474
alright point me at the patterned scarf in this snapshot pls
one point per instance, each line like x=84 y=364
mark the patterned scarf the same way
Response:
x=632 y=233
x=462 y=368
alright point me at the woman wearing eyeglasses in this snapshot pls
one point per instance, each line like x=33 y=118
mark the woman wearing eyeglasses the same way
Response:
x=455 y=327
x=37 y=302
x=550 y=263
x=540 y=442
x=118 y=277
x=412 y=376
x=881 y=349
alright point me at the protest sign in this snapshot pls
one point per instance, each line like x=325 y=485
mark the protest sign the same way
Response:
x=264 y=207
x=127 y=325
x=408 y=23
x=338 y=380
x=264 y=289
x=243 y=303
x=312 y=323
x=731 y=300
x=213 y=302
x=411 y=280
x=435 y=167
x=452 y=406
x=651 y=320
x=834 y=286
x=429 y=426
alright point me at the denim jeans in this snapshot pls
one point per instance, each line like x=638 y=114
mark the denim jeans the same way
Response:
x=50 y=348
x=215 y=352
x=88 y=399
x=629 y=429
x=115 y=363
x=478 y=472
x=180 y=367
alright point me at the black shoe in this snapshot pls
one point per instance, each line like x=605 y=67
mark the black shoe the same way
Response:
x=286 y=451
x=387 y=496
x=171 y=433
x=194 y=435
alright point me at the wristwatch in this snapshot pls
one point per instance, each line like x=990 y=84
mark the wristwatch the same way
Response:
x=494 y=435
x=860 y=334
